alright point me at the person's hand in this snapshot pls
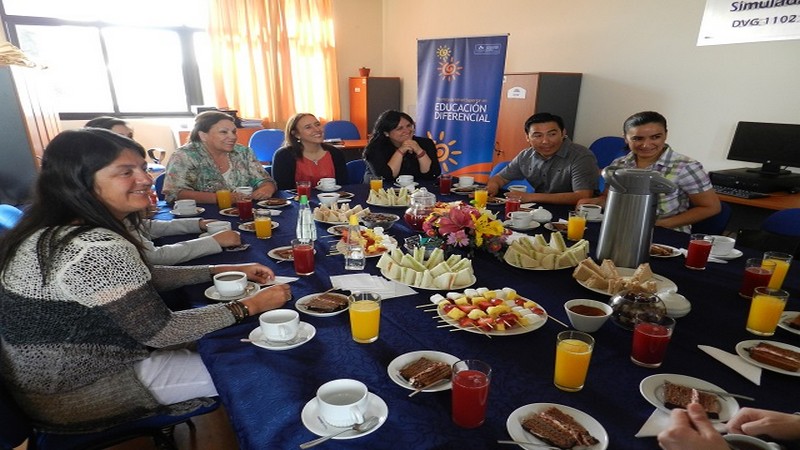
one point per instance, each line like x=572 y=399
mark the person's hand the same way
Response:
x=227 y=238
x=255 y=271
x=270 y=298
x=691 y=429
x=411 y=146
x=265 y=191
x=776 y=425
x=203 y=224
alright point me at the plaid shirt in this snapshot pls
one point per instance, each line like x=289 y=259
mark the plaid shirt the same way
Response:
x=685 y=172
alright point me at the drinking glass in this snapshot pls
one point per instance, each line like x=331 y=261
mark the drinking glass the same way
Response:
x=782 y=261
x=699 y=249
x=576 y=225
x=303 y=254
x=375 y=183
x=263 y=223
x=471 y=379
x=757 y=272
x=481 y=197
x=573 y=352
x=445 y=183
x=651 y=335
x=365 y=316
x=244 y=203
x=512 y=205
x=304 y=188
x=224 y=199
x=765 y=310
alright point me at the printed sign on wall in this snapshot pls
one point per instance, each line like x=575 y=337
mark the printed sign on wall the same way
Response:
x=730 y=22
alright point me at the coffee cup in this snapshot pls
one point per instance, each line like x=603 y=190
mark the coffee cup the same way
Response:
x=186 y=206
x=517 y=188
x=342 y=402
x=328 y=199
x=230 y=284
x=279 y=325
x=521 y=219
x=593 y=212
x=217 y=226
x=326 y=183
x=722 y=245
x=745 y=442
x=405 y=180
x=466 y=181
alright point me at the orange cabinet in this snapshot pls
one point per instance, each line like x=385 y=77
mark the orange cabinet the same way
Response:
x=369 y=97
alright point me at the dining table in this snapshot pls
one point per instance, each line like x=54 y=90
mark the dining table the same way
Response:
x=266 y=392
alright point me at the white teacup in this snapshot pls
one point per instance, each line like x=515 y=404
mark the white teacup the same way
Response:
x=744 y=442
x=342 y=402
x=722 y=245
x=521 y=219
x=279 y=325
x=326 y=183
x=217 y=226
x=593 y=212
x=466 y=181
x=186 y=206
x=517 y=188
x=328 y=198
x=405 y=180
x=230 y=283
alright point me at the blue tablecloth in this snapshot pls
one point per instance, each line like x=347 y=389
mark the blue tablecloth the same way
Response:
x=265 y=391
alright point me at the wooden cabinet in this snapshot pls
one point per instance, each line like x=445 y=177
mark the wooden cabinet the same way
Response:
x=29 y=121
x=524 y=94
x=369 y=97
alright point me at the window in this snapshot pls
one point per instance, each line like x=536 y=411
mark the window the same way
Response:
x=148 y=57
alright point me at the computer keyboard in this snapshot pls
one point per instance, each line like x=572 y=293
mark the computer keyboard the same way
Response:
x=741 y=193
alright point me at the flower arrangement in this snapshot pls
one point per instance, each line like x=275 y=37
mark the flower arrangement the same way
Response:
x=462 y=225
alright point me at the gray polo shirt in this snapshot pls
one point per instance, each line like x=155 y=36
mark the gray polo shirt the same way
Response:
x=572 y=168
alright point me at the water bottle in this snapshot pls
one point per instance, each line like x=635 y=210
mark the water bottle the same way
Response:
x=354 y=253
x=306 y=229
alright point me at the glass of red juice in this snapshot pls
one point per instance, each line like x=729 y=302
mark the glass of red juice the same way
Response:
x=512 y=205
x=699 y=249
x=303 y=255
x=245 y=208
x=471 y=379
x=651 y=335
x=757 y=273
x=445 y=183
x=303 y=188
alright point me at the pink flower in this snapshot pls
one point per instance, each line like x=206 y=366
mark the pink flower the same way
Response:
x=458 y=238
x=456 y=220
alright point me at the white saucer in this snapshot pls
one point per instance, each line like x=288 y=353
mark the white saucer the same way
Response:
x=409 y=185
x=599 y=219
x=677 y=305
x=251 y=226
x=527 y=205
x=732 y=255
x=376 y=407
x=305 y=332
x=334 y=188
x=250 y=289
x=533 y=225
x=199 y=210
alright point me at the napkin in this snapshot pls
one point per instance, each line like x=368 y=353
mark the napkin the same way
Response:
x=660 y=420
x=742 y=367
x=366 y=282
x=280 y=280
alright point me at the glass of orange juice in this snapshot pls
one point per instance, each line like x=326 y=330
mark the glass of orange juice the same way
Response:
x=782 y=261
x=224 y=198
x=481 y=197
x=365 y=316
x=573 y=352
x=375 y=183
x=263 y=223
x=765 y=310
x=576 y=225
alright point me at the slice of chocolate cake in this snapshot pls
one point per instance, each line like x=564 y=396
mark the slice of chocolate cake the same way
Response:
x=327 y=303
x=679 y=396
x=558 y=428
x=424 y=372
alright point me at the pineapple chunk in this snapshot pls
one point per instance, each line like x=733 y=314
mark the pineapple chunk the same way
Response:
x=476 y=314
x=456 y=314
x=500 y=326
x=495 y=311
x=462 y=301
x=490 y=294
x=511 y=294
x=530 y=304
x=475 y=300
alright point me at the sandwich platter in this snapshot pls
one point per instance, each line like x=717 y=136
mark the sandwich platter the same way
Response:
x=431 y=273
x=517 y=433
x=663 y=284
x=534 y=253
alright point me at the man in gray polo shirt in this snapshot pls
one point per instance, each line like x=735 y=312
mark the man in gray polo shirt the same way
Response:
x=559 y=170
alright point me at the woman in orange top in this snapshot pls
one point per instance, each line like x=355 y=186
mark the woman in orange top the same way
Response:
x=304 y=157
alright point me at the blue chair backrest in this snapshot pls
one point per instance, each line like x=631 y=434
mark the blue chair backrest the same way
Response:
x=264 y=144
x=499 y=166
x=9 y=216
x=715 y=224
x=159 y=184
x=356 y=170
x=785 y=222
x=341 y=129
x=607 y=149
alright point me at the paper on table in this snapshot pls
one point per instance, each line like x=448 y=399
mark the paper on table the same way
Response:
x=735 y=362
x=366 y=282
x=280 y=280
x=660 y=420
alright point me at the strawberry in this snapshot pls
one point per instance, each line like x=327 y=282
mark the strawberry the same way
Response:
x=538 y=311
x=497 y=301
x=484 y=305
x=486 y=323
x=446 y=307
x=466 y=322
x=466 y=308
x=509 y=319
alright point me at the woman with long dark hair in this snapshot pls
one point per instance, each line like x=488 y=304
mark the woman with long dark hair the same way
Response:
x=393 y=149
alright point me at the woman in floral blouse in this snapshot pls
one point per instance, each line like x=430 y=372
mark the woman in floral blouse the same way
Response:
x=212 y=160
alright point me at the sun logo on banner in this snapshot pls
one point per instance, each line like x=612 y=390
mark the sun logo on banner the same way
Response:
x=445 y=151
x=449 y=68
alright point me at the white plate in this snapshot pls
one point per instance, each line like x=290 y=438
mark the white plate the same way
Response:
x=533 y=225
x=412 y=185
x=536 y=320
x=230 y=212
x=652 y=389
x=383 y=205
x=428 y=288
x=300 y=304
x=199 y=210
x=525 y=206
x=334 y=231
x=663 y=284
x=675 y=251
x=735 y=253
x=341 y=247
x=333 y=188
x=741 y=351
x=517 y=433
x=551 y=227
x=466 y=190
x=496 y=201
x=212 y=294
x=598 y=219
x=305 y=332
x=407 y=358
x=274 y=253
x=310 y=416
x=266 y=204
x=787 y=317
x=251 y=227
x=330 y=223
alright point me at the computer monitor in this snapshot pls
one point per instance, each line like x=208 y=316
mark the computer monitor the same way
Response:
x=771 y=144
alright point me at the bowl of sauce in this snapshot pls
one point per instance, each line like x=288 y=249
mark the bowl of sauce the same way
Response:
x=587 y=315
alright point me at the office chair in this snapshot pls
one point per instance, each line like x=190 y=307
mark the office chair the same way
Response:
x=523 y=182
x=264 y=144
x=768 y=241
x=715 y=224
x=159 y=184
x=9 y=216
x=785 y=222
x=356 y=170
x=341 y=129
x=607 y=149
